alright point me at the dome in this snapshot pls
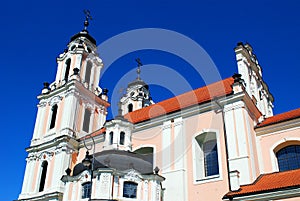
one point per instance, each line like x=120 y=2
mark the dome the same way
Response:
x=80 y=167
x=119 y=160
x=85 y=34
x=125 y=160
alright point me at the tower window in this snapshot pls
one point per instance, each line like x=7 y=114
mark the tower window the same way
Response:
x=130 y=107
x=86 y=190
x=129 y=190
x=88 y=71
x=68 y=64
x=86 y=120
x=288 y=158
x=53 y=116
x=122 y=138
x=43 y=176
x=111 y=137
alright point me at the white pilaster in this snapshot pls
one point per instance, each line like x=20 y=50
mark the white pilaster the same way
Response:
x=66 y=192
x=116 y=187
x=42 y=121
x=69 y=112
x=166 y=146
x=61 y=164
x=179 y=144
x=146 y=190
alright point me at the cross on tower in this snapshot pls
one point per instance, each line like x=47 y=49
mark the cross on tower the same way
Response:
x=88 y=17
x=138 y=71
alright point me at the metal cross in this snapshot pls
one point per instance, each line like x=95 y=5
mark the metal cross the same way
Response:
x=88 y=17
x=138 y=71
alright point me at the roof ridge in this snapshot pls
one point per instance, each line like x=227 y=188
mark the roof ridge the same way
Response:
x=184 y=100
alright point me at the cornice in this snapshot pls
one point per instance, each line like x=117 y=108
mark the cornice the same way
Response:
x=38 y=197
x=278 y=127
x=52 y=143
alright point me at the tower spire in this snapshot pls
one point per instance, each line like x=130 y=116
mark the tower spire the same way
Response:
x=88 y=17
x=138 y=71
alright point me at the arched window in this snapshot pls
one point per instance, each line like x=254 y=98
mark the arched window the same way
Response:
x=122 y=138
x=288 y=158
x=111 y=137
x=53 y=116
x=147 y=152
x=68 y=64
x=43 y=176
x=211 y=158
x=130 y=107
x=86 y=190
x=86 y=120
x=88 y=71
x=205 y=156
x=129 y=189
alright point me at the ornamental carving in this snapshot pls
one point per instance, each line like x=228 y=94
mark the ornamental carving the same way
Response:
x=42 y=104
x=55 y=100
x=178 y=123
x=46 y=155
x=168 y=126
x=132 y=175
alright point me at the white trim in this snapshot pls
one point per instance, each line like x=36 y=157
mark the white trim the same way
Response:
x=62 y=76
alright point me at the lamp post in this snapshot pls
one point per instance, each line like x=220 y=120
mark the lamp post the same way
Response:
x=87 y=162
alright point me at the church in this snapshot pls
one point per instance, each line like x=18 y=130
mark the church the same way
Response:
x=217 y=142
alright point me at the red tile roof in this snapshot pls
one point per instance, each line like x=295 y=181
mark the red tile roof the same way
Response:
x=95 y=133
x=280 y=118
x=194 y=97
x=269 y=182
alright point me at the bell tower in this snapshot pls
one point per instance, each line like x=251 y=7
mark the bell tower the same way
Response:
x=137 y=94
x=69 y=108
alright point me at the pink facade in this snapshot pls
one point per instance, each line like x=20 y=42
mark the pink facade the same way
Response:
x=219 y=142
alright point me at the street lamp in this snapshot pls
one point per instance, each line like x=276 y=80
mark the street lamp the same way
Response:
x=87 y=162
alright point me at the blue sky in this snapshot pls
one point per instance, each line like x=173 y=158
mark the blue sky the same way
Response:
x=34 y=33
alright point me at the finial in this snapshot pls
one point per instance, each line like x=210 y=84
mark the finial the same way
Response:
x=138 y=71
x=88 y=17
x=156 y=170
x=120 y=109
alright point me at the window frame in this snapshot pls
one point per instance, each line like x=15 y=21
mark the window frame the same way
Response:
x=197 y=151
x=84 y=120
x=288 y=160
x=88 y=69
x=84 y=194
x=67 y=69
x=111 y=138
x=122 y=138
x=53 y=118
x=136 y=189
x=43 y=176
x=129 y=107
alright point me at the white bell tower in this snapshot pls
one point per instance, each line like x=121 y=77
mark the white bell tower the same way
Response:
x=137 y=94
x=69 y=108
x=251 y=72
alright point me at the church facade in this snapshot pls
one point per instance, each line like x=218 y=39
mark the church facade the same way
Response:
x=218 y=142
